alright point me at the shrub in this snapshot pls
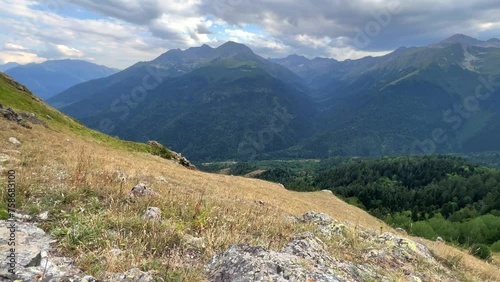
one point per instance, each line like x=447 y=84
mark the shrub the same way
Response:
x=481 y=251
x=495 y=247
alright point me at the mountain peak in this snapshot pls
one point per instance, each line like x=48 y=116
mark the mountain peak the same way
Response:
x=232 y=47
x=462 y=39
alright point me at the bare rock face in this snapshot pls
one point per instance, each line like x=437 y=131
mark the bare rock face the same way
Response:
x=141 y=190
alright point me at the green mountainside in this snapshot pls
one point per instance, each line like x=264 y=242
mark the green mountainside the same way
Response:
x=229 y=103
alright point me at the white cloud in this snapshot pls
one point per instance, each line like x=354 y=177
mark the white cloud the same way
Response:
x=69 y=52
x=20 y=57
x=13 y=46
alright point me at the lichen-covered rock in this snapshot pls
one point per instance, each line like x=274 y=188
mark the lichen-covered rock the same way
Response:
x=141 y=190
x=152 y=214
x=317 y=217
x=402 y=248
x=303 y=259
x=34 y=254
x=334 y=229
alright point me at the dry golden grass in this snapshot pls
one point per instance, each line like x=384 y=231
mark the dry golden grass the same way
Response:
x=75 y=179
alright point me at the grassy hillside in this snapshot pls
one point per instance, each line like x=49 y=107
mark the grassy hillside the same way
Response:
x=26 y=101
x=71 y=172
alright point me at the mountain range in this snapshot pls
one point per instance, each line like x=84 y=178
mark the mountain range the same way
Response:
x=228 y=102
x=7 y=66
x=52 y=77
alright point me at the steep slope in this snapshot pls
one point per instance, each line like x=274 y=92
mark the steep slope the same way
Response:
x=52 y=77
x=206 y=103
x=83 y=184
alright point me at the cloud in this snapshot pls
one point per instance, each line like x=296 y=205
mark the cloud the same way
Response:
x=143 y=29
x=12 y=47
x=20 y=57
x=69 y=52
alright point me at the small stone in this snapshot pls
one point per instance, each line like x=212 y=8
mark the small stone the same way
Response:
x=401 y=230
x=153 y=214
x=14 y=141
x=162 y=179
x=21 y=216
x=141 y=190
x=259 y=202
x=439 y=239
x=44 y=215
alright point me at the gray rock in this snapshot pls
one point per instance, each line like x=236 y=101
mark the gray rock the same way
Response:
x=318 y=218
x=123 y=177
x=14 y=141
x=303 y=259
x=152 y=214
x=292 y=219
x=401 y=230
x=33 y=254
x=43 y=215
x=141 y=190
x=334 y=229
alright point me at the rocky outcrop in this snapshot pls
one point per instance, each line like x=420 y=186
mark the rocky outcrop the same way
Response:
x=317 y=217
x=183 y=161
x=36 y=259
x=21 y=118
x=162 y=151
x=303 y=259
x=34 y=256
x=307 y=258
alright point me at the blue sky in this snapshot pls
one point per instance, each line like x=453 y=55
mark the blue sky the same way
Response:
x=119 y=33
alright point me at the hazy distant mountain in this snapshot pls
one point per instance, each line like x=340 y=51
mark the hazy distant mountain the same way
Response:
x=52 y=77
x=7 y=66
x=207 y=103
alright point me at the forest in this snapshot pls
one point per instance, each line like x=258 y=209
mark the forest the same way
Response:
x=429 y=196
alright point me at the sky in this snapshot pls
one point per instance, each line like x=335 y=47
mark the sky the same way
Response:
x=119 y=33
